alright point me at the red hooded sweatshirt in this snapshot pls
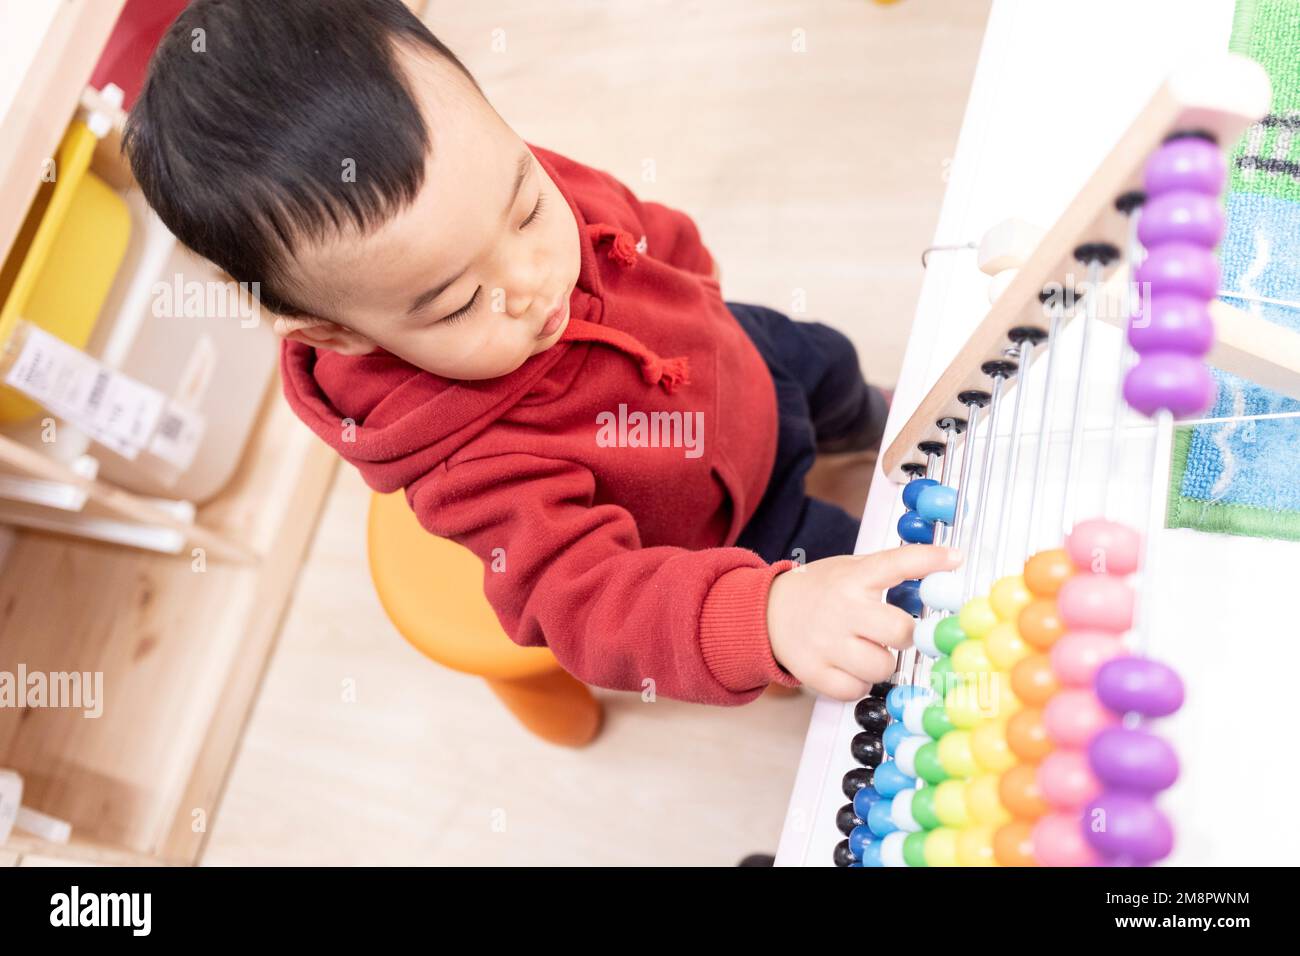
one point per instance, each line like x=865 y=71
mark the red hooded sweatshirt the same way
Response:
x=605 y=537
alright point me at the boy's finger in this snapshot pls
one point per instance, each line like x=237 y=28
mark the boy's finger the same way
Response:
x=884 y=569
x=864 y=660
x=888 y=625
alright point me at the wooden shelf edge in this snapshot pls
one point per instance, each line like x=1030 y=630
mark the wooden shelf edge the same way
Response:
x=276 y=579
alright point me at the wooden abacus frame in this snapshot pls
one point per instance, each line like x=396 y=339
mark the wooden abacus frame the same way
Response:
x=1221 y=98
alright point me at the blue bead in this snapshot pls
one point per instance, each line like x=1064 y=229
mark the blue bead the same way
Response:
x=881 y=823
x=871 y=855
x=892 y=735
x=864 y=800
x=938 y=503
x=914 y=529
x=906 y=596
x=859 y=839
x=889 y=780
x=914 y=488
x=897 y=699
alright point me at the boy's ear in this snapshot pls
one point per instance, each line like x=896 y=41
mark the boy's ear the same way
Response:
x=322 y=334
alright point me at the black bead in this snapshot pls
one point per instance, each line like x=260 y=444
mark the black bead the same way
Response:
x=881 y=691
x=868 y=749
x=846 y=819
x=871 y=714
x=843 y=855
x=856 y=779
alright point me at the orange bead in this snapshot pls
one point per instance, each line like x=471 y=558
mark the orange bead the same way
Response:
x=1039 y=623
x=1046 y=571
x=1027 y=735
x=1018 y=790
x=1034 y=681
x=1013 y=844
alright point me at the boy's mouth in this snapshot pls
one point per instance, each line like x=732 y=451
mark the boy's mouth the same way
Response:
x=554 y=320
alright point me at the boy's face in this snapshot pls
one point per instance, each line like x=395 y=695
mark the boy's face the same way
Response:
x=477 y=235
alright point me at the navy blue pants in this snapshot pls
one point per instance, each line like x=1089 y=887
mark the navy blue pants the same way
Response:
x=821 y=399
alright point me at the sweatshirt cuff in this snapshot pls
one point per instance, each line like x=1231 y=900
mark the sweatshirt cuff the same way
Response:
x=733 y=630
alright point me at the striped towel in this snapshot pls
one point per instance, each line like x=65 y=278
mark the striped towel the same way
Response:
x=1244 y=477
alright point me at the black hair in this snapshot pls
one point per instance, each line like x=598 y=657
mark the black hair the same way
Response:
x=250 y=111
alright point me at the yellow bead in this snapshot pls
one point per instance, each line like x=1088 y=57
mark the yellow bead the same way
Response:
x=941 y=847
x=962 y=702
x=988 y=743
x=971 y=657
x=976 y=617
x=955 y=753
x=950 y=803
x=1003 y=645
x=1008 y=596
x=984 y=803
x=975 y=847
x=1005 y=703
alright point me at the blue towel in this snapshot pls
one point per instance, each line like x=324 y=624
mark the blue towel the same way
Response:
x=1244 y=477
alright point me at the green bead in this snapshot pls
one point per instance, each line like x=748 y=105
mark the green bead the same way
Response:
x=939 y=679
x=914 y=849
x=923 y=808
x=928 y=767
x=935 y=722
x=948 y=634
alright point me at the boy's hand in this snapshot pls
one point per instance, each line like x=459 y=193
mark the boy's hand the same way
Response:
x=828 y=625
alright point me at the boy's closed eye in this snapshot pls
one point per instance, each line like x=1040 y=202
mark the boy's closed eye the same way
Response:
x=464 y=311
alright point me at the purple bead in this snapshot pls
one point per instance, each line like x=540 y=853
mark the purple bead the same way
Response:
x=1189 y=163
x=1179 y=267
x=1172 y=323
x=1167 y=380
x=1182 y=216
x=1139 y=685
x=1127 y=759
x=1128 y=827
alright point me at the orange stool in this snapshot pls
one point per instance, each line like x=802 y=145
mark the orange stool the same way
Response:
x=432 y=590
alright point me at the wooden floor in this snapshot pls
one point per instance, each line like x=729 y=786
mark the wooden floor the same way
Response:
x=815 y=176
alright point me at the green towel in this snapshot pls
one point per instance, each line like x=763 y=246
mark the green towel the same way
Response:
x=1240 y=477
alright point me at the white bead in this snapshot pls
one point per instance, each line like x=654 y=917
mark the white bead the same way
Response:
x=942 y=591
x=901 y=811
x=923 y=636
x=891 y=849
x=905 y=752
x=914 y=713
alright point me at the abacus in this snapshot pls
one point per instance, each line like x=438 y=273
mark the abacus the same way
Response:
x=1022 y=728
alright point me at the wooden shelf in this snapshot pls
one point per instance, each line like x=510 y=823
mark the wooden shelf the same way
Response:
x=181 y=651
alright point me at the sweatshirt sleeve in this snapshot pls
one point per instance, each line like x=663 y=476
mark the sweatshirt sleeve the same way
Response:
x=565 y=572
x=671 y=235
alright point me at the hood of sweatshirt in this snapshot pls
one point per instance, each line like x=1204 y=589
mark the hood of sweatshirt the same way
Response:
x=397 y=422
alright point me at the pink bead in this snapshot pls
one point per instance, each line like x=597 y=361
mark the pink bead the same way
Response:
x=1058 y=841
x=1096 y=602
x=1078 y=654
x=1066 y=781
x=1098 y=546
x=1074 y=716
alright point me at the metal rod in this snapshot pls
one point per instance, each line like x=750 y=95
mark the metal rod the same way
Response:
x=1069 y=501
x=963 y=480
x=982 y=493
x=1123 y=360
x=1009 y=474
x=1036 y=486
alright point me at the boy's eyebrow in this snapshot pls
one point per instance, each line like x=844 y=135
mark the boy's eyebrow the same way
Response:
x=522 y=168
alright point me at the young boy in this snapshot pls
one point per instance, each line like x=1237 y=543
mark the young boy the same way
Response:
x=542 y=361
